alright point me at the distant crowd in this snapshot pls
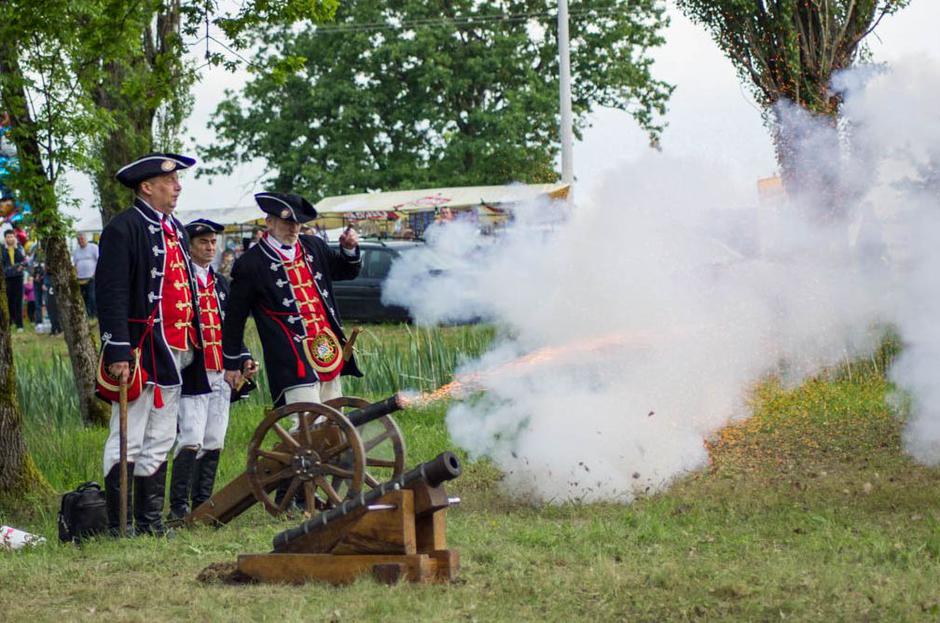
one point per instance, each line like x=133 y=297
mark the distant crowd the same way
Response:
x=29 y=288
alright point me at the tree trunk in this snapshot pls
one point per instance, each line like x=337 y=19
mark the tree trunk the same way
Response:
x=113 y=197
x=19 y=477
x=809 y=152
x=82 y=352
x=132 y=137
x=156 y=69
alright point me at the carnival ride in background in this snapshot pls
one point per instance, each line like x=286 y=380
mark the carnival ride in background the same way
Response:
x=12 y=211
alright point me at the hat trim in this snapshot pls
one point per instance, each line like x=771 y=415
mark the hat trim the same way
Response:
x=212 y=226
x=279 y=200
x=136 y=162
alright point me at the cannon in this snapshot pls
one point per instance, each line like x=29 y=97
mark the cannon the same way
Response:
x=395 y=531
x=320 y=453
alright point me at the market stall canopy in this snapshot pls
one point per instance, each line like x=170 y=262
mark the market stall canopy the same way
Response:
x=238 y=215
x=366 y=205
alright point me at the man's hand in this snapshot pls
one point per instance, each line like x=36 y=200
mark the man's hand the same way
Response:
x=249 y=368
x=349 y=239
x=233 y=378
x=120 y=370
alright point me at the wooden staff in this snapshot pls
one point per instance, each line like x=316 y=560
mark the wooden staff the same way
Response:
x=122 y=419
x=350 y=342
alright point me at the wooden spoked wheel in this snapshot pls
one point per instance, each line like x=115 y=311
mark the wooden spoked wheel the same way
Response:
x=383 y=444
x=299 y=449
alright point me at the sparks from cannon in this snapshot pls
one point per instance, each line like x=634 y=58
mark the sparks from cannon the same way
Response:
x=475 y=381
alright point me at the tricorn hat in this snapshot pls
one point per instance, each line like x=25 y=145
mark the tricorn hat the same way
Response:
x=150 y=166
x=286 y=206
x=202 y=226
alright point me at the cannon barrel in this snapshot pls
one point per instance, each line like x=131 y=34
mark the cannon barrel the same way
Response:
x=444 y=467
x=375 y=410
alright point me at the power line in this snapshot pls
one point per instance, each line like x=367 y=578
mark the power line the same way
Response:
x=468 y=20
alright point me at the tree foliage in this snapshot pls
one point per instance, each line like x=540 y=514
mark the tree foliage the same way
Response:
x=413 y=93
x=789 y=51
x=146 y=91
x=791 y=48
x=86 y=84
x=47 y=49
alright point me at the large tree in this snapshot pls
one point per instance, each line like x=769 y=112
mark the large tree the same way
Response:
x=53 y=124
x=789 y=50
x=146 y=94
x=146 y=90
x=414 y=93
x=85 y=83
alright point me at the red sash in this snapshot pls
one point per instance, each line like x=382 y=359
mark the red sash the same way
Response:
x=109 y=387
x=320 y=344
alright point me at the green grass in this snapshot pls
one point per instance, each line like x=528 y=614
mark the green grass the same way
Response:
x=809 y=510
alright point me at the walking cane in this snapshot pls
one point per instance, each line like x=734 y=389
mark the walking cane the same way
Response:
x=122 y=418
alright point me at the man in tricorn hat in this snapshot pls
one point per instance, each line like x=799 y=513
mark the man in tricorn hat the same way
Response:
x=150 y=334
x=286 y=283
x=203 y=418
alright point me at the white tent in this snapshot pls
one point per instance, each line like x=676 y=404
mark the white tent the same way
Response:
x=365 y=205
x=91 y=221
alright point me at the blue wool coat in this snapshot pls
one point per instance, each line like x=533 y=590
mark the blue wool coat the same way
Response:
x=259 y=282
x=128 y=283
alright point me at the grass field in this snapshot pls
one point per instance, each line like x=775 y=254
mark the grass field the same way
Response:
x=809 y=511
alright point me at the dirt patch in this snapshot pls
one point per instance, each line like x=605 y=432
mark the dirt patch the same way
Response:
x=224 y=573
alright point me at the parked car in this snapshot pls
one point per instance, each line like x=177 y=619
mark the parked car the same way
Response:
x=361 y=298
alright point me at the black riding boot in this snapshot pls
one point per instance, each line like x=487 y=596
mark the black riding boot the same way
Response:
x=112 y=494
x=180 y=483
x=148 y=503
x=204 y=477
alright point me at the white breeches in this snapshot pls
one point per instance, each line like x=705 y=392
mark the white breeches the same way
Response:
x=203 y=419
x=150 y=431
x=318 y=392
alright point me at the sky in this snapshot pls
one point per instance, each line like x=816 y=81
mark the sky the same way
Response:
x=711 y=116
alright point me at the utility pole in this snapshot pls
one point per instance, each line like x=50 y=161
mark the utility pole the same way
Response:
x=564 y=63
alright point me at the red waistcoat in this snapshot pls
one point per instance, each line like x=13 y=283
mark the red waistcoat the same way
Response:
x=176 y=304
x=210 y=321
x=321 y=345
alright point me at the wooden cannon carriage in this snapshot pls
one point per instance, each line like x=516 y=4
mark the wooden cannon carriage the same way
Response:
x=320 y=453
x=394 y=532
x=345 y=458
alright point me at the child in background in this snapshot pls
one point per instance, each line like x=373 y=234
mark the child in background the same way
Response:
x=29 y=294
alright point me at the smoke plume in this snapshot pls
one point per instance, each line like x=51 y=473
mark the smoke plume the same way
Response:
x=663 y=297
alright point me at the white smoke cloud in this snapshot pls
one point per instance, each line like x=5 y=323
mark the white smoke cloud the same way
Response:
x=897 y=124
x=699 y=295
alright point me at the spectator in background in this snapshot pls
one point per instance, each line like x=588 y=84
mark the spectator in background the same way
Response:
x=14 y=266
x=52 y=306
x=39 y=286
x=226 y=262
x=85 y=259
x=443 y=215
x=256 y=235
x=30 y=297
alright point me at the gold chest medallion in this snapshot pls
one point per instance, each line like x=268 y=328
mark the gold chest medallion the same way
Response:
x=323 y=351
